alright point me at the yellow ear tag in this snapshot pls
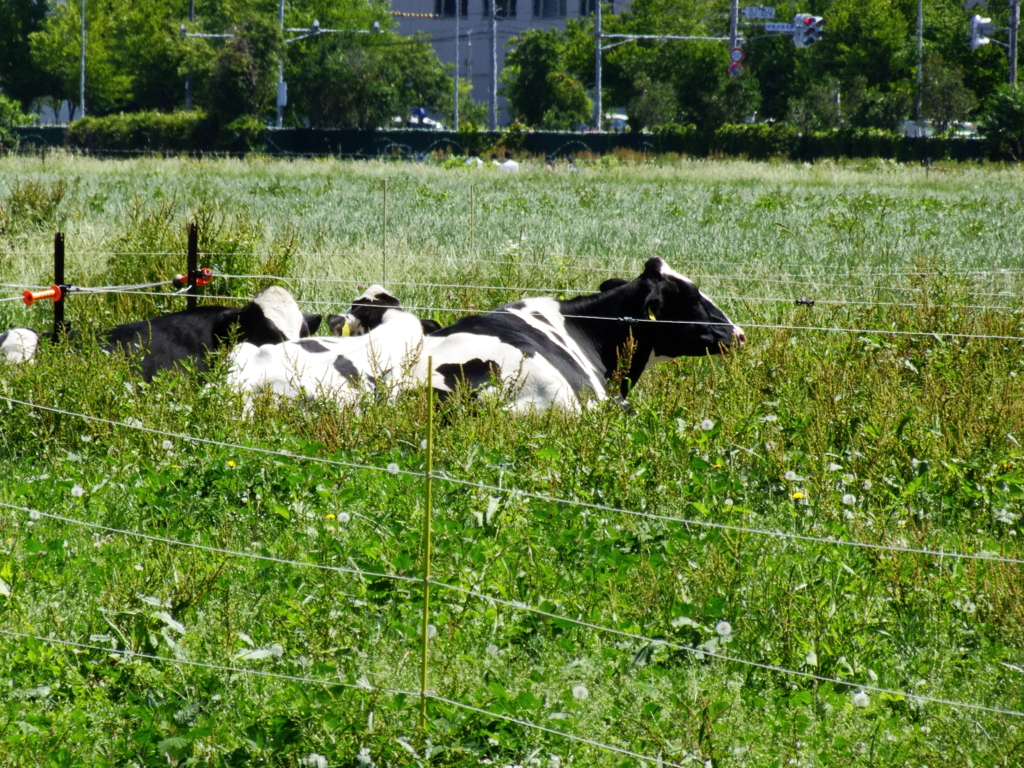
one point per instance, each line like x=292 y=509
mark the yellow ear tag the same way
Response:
x=650 y=314
x=346 y=330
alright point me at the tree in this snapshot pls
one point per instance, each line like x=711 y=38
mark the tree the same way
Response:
x=360 y=81
x=944 y=97
x=20 y=78
x=540 y=90
x=243 y=76
x=11 y=116
x=654 y=104
x=1002 y=121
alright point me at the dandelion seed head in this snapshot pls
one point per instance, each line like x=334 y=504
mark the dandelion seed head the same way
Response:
x=724 y=629
x=393 y=468
x=78 y=491
x=727 y=503
x=580 y=692
x=791 y=476
x=860 y=699
x=167 y=445
x=707 y=425
x=344 y=517
x=492 y=650
x=866 y=485
x=849 y=499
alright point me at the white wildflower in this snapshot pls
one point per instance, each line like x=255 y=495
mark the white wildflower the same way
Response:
x=849 y=499
x=791 y=476
x=769 y=417
x=860 y=699
x=86 y=438
x=167 y=445
x=363 y=759
x=343 y=517
x=707 y=425
x=580 y=692
x=393 y=468
x=78 y=491
x=727 y=503
x=1005 y=516
x=724 y=629
x=833 y=467
x=492 y=649
x=313 y=760
x=866 y=485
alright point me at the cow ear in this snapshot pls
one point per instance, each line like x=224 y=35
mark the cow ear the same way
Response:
x=338 y=324
x=653 y=303
x=612 y=283
x=311 y=323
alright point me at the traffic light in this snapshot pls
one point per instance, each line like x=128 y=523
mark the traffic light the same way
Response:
x=806 y=29
x=980 y=28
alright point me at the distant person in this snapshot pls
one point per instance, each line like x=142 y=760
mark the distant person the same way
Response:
x=549 y=162
x=509 y=165
x=494 y=159
x=570 y=164
x=474 y=159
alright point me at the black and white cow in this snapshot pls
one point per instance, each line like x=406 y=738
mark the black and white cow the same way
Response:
x=170 y=340
x=375 y=344
x=189 y=336
x=561 y=353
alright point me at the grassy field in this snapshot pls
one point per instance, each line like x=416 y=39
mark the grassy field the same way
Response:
x=182 y=585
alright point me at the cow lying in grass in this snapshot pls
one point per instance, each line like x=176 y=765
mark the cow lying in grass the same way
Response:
x=553 y=353
x=187 y=337
x=373 y=345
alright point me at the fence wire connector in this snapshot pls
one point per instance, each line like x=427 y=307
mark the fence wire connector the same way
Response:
x=203 y=277
x=55 y=292
x=631 y=321
x=805 y=302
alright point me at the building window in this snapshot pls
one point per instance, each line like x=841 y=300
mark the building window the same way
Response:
x=549 y=9
x=587 y=8
x=447 y=7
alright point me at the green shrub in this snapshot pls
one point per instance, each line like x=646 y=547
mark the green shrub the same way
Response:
x=143 y=131
x=244 y=134
x=1003 y=123
x=10 y=116
x=757 y=141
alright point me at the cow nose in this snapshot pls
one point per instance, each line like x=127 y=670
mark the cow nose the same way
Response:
x=739 y=334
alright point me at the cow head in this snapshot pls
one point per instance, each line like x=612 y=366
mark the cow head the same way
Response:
x=366 y=313
x=677 y=319
x=273 y=317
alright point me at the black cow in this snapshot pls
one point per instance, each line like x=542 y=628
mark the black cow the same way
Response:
x=561 y=353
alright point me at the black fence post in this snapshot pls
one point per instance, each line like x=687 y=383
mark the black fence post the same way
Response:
x=59 y=328
x=193 y=264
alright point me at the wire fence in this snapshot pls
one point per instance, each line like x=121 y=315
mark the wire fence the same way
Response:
x=895 y=548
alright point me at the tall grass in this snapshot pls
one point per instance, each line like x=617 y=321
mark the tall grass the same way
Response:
x=904 y=441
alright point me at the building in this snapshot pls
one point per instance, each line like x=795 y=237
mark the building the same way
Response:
x=482 y=37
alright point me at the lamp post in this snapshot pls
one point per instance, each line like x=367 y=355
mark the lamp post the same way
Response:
x=458 y=63
x=188 y=77
x=81 y=78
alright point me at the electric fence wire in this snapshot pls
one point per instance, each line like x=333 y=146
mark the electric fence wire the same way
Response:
x=369 y=688
x=767 y=326
x=699 y=653
x=443 y=476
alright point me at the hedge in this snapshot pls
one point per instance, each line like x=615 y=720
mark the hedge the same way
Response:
x=165 y=132
x=195 y=132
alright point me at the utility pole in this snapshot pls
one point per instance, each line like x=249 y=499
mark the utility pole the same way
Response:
x=597 y=65
x=188 y=78
x=81 y=79
x=920 y=55
x=458 y=62
x=494 y=65
x=734 y=12
x=1014 y=25
x=282 y=89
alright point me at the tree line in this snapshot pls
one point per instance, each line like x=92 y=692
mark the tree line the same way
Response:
x=861 y=74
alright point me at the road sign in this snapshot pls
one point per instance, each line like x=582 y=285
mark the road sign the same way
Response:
x=779 y=28
x=758 y=12
x=736 y=55
x=735 y=69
